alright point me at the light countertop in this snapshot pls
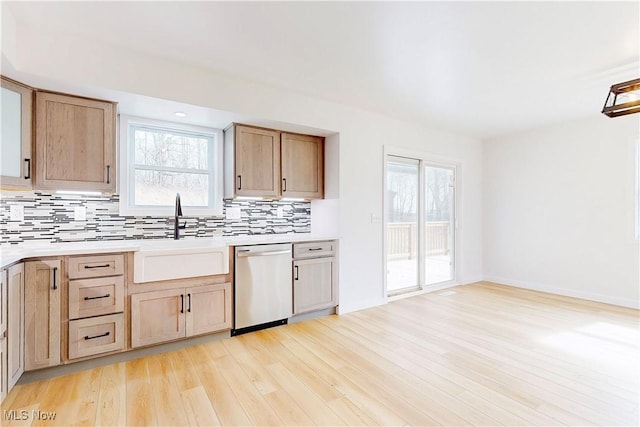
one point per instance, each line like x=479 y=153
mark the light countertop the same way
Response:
x=10 y=254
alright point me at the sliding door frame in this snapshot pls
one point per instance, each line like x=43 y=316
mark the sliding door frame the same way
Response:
x=425 y=159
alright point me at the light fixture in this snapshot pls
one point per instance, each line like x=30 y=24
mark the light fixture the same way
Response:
x=623 y=99
x=180 y=114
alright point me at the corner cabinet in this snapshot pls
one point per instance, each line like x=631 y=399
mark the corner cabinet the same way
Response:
x=272 y=164
x=172 y=314
x=75 y=143
x=15 y=324
x=302 y=166
x=42 y=313
x=16 y=166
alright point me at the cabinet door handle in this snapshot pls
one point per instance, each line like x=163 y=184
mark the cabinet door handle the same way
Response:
x=106 y=334
x=108 y=174
x=101 y=296
x=28 y=174
x=181 y=303
x=239 y=182
x=97 y=266
x=295 y=276
x=284 y=184
x=189 y=306
x=55 y=274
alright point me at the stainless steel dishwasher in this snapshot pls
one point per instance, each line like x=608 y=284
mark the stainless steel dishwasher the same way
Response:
x=263 y=291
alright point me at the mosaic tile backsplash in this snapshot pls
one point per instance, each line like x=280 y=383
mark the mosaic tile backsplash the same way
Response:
x=50 y=218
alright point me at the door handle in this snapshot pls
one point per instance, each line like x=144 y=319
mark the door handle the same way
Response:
x=239 y=182
x=108 y=174
x=189 y=306
x=242 y=254
x=55 y=273
x=181 y=303
x=284 y=184
x=28 y=174
x=295 y=276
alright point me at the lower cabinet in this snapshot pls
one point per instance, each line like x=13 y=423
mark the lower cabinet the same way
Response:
x=167 y=315
x=4 y=381
x=15 y=324
x=42 y=313
x=312 y=284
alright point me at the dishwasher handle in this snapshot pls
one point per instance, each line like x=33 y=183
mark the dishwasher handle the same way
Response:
x=247 y=253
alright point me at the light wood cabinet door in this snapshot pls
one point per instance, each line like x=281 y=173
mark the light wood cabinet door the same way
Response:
x=157 y=317
x=302 y=166
x=42 y=313
x=4 y=381
x=208 y=309
x=257 y=162
x=312 y=284
x=15 y=324
x=15 y=144
x=3 y=302
x=75 y=143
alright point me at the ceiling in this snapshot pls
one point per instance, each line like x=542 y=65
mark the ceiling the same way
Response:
x=478 y=68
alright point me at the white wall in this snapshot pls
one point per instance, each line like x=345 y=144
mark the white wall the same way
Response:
x=559 y=210
x=360 y=144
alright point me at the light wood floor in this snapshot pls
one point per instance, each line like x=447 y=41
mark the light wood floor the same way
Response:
x=487 y=355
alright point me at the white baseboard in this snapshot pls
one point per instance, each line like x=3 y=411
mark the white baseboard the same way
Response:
x=360 y=305
x=607 y=299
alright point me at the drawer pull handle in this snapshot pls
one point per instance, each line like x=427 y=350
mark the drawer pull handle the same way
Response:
x=97 y=266
x=314 y=249
x=101 y=296
x=106 y=334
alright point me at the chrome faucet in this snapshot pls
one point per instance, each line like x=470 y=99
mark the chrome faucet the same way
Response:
x=176 y=223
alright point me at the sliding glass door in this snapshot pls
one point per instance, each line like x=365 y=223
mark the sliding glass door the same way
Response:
x=439 y=223
x=403 y=223
x=420 y=224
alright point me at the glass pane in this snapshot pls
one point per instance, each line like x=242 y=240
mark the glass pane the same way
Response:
x=170 y=149
x=11 y=133
x=439 y=215
x=402 y=225
x=159 y=188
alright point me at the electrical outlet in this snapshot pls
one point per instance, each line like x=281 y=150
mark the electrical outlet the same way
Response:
x=80 y=213
x=16 y=213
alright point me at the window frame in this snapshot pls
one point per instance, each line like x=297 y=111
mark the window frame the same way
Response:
x=126 y=182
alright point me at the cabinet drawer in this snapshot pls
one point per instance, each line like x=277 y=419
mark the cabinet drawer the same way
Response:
x=94 y=297
x=312 y=249
x=96 y=335
x=96 y=266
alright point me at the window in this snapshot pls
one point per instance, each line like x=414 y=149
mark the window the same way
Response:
x=160 y=159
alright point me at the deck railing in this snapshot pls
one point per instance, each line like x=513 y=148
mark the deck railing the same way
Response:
x=402 y=239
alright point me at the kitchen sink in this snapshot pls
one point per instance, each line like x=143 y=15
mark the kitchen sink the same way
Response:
x=158 y=260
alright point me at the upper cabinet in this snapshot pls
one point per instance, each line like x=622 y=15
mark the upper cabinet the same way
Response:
x=256 y=162
x=15 y=141
x=272 y=164
x=302 y=158
x=75 y=143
